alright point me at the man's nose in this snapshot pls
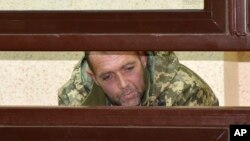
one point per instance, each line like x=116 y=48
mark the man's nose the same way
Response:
x=122 y=81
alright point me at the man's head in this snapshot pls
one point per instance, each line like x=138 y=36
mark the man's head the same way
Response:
x=119 y=74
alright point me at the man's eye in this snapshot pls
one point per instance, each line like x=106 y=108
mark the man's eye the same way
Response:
x=130 y=68
x=106 y=77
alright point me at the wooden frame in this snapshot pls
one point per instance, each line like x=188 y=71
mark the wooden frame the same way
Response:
x=217 y=27
x=220 y=26
x=209 y=20
x=248 y=16
x=239 y=18
x=117 y=123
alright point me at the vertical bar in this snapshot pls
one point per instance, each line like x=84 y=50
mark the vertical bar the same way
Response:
x=237 y=17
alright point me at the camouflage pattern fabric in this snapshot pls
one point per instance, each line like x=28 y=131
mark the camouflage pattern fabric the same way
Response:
x=170 y=84
x=73 y=92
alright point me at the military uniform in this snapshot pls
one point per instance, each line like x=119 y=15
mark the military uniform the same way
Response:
x=168 y=83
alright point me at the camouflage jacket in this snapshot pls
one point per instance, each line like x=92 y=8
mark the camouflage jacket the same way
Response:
x=169 y=83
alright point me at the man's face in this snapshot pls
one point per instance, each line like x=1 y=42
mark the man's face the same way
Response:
x=120 y=75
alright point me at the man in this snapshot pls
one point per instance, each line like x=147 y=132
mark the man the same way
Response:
x=135 y=79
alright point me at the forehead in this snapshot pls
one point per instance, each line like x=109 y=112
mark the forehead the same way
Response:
x=106 y=61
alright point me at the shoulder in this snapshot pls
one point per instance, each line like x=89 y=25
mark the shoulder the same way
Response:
x=73 y=92
x=179 y=85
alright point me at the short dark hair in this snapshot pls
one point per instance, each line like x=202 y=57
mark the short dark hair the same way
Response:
x=87 y=55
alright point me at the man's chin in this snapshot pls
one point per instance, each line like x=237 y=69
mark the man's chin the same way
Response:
x=131 y=99
x=131 y=103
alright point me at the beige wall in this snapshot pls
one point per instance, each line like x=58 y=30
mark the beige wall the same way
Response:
x=244 y=78
x=99 y=4
x=231 y=73
x=33 y=78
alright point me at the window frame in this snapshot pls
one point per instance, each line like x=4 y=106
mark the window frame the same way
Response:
x=209 y=20
x=218 y=27
x=110 y=123
x=51 y=121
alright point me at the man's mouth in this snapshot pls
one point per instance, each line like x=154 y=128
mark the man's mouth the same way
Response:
x=128 y=95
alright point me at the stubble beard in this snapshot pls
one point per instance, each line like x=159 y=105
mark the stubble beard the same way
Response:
x=130 y=97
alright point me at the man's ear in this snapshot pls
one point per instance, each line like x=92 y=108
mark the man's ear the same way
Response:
x=144 y=59
x=92 y=75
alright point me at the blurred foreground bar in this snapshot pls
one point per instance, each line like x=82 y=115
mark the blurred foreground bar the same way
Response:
x=119 y=123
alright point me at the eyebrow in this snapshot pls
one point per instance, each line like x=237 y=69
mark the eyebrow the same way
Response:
x=123 y=66
x=129 y=63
